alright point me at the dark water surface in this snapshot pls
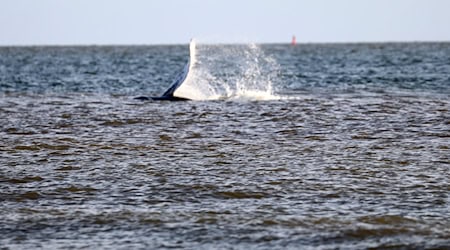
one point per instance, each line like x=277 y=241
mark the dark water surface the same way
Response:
x=353 y=154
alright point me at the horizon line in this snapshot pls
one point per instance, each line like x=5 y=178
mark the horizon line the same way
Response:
x=219 y=43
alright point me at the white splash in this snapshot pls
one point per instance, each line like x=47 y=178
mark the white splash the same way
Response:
x=230 y=72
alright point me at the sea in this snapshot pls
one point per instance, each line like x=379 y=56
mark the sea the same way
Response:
x=313 y=146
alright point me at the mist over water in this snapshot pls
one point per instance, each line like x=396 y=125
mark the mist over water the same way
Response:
x=227 y=72
x=246 y=71
x=317 y=146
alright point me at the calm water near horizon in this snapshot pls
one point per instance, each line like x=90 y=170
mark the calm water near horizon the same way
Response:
x=317 y=146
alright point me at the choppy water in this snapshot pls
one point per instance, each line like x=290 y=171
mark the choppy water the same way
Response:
x=350 y=152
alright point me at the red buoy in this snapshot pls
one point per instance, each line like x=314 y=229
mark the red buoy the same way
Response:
x=294 y=41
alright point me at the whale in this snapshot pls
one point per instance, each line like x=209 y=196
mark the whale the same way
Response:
x=171 y=93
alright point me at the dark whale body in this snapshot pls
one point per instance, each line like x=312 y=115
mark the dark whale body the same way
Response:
x=161 y=98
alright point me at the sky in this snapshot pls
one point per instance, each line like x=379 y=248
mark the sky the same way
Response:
x=109 y=22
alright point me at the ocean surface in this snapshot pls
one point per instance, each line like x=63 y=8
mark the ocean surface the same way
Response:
x=314 y=146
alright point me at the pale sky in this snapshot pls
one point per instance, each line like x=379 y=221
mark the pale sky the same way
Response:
x=73 y=22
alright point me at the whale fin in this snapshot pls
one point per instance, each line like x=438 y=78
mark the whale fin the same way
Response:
x=169 y=94
x=182 y=76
